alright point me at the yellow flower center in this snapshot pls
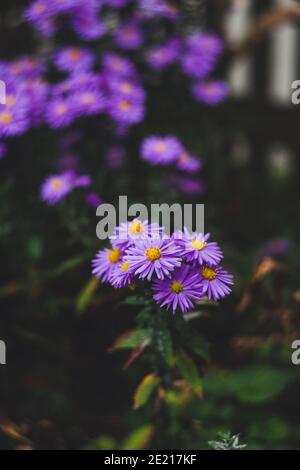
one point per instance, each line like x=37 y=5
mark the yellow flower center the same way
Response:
x=160 y=147
x=124 y=105
x=75 y=54
x=56 y=184
x=136 y=228
x=198 y=245
x=39 y=8
x=176 y=287
x=208 y=273
x=124 y=267
x=114 y=256
x=117 y=64
x=88 y=99
x=6 y=118
x=153 y=254
x=126 y=87
x=184 y=157
x=10 y=100
x=61 y=109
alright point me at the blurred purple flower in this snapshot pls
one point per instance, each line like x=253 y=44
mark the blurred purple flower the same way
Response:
x=60 y=113
x=129 y=36
x=93 y=199
x=211 y=93
x=56 y=188
x=162 y=56
x=160 y=150
x=125 y=110
x=74 y=59
x=115 y=156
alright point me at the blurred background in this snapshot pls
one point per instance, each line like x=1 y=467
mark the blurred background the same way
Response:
x=62 y=387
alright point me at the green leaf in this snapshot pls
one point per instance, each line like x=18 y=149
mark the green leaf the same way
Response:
x=66 y=266
x=102 y=443
x=189 y=372
x=144 y=390
x=131 y=340
x=165 y=346
x=139 y=438
x=259 y=385
x=86 y=295
x=134 y=300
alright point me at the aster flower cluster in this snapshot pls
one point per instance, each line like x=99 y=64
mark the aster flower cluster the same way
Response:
x=57 y=187
x=26 y=96
x=81 y=14
x=197 y=55
x=182 y=269
x=169 y=151
x=110 y=87
x=158 y=150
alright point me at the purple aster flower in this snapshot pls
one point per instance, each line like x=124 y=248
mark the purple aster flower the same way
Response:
x=153 y=257
x=187 y=162
x=63 y=6
x=277 y=247
x=196 y=65
x=158 y=8
x=2 y=150
x=56 y=188
x=79 y=82
x=197 y=249
x=189 y=185
x=160 y=150
x=89 y=102
x=74 y=59
x=60 y=113
x=40 y=14
x=37 y=11
x=105 y=263
x=126 y=110
x=25 y=68
x=129 y=36
x=36 y=92
x=182 y=290
x=13 y=120
x=165 y=55
x=86 y=23
x=211 y=93
x=126 y=87
x=82 y=181
x=116 y=64
x=121 y=276
x=93 y=200
x=128 y=233
x=205 y=44
x=215 y=282
x=115 y=156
